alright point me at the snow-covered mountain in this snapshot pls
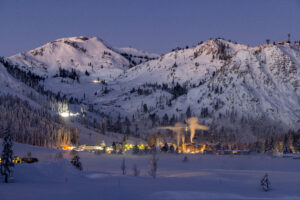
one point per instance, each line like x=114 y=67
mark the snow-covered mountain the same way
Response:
x=231 y=87
x=76 y=66
x=80 y=54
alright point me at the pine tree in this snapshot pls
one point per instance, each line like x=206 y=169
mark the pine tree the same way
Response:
x=127 y=121
x=188 y=112
x=172 y=149
x=114 y=146
x=136 y=129
x=145 y=108
x=286 y=148
x=165 y=148
x=76 y=162
x=103 y=126
x=118 y=125
x=7 y=156
x=127 y=131
x=165 y=120
x=289 y=38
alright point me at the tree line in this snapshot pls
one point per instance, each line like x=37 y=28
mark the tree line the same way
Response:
x=35 y=126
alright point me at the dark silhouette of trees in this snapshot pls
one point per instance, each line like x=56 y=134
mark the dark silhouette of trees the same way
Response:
x=7 y=155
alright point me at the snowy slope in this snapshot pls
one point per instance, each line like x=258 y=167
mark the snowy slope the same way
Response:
x=6 y=81
x=12 y=86
x=79 y=53
x=136 y=56
x=231 y=87
x=185 y=65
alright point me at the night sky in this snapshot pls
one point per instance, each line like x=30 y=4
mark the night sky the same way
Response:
x=155 y=26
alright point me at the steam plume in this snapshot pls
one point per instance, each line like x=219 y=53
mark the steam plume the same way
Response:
x=194 y=125
x=178 y=128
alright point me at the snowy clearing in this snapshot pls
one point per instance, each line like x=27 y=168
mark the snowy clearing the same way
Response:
x=201 y=177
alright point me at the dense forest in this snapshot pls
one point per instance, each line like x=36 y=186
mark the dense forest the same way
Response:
x=32 y=125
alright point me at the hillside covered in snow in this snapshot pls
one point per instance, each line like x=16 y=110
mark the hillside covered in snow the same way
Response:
x=233 y=88
x=80 y=54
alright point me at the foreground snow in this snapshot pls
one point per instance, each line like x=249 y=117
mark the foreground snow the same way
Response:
x=202 y=177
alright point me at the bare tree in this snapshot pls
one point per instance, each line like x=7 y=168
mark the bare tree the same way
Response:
x=153 y=165
x=136 y=171
x=123 y=167
x=185 y=159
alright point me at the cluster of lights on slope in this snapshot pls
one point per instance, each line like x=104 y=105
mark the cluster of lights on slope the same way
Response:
x=68 y=114
x=107 y=149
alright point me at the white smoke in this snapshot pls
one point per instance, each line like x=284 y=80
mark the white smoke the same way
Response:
x=193 y=126
x=178 y=129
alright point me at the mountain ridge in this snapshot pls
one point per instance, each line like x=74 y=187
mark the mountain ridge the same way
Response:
x=231 y=87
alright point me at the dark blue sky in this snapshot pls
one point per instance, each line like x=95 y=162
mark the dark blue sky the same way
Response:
x=152 y=25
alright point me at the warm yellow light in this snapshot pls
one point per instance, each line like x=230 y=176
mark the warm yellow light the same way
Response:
x=202 y=148
x=67 y=147
x=142 y=147
x=292 y=148
x=17 y=160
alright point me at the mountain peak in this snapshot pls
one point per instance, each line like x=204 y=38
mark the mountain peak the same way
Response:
x=80 y=53
x=219 y=48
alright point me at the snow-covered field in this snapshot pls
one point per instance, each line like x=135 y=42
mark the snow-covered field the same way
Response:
x=202 y=177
